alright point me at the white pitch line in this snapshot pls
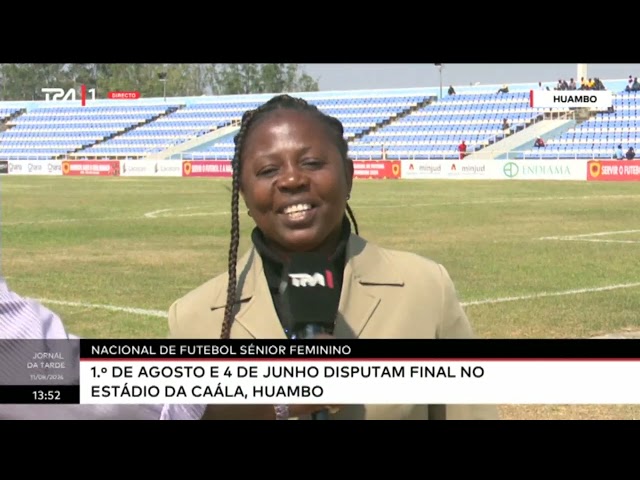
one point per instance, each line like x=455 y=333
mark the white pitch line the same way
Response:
x=166 y=213
x=533 y=296
x=596 y=240
x=113 y=308
x=488 y=301
x=587 y=235
x=158 y=213
x=493 y=201
x=55 y=220
x=198 y=214
x=603 y=234
x=65 y=220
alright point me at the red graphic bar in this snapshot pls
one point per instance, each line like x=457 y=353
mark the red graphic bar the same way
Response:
x=83 y=93
x=123 y=95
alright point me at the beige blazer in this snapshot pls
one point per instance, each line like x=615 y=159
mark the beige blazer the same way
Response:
x=385 y=294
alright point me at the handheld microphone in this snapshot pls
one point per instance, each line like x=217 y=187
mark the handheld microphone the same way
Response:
x=311 y=299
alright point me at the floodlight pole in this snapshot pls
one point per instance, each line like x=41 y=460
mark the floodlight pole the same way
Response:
x=162 y=76
x=440 y=67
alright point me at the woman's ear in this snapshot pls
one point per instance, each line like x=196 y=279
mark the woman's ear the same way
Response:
x=241 y=190
x=244 y=200
x=349 y=173
x=242 y=197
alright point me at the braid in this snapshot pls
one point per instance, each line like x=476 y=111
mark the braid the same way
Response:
x=353 y=219
x=248 y=119
x=235 y=229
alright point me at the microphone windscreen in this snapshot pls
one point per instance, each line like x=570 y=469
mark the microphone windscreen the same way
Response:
x=310 y=294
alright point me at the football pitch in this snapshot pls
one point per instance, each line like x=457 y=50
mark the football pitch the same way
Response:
x=529 y=259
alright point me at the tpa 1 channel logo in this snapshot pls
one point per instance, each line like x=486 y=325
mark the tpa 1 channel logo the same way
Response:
x=59 y=94
x=307 y=280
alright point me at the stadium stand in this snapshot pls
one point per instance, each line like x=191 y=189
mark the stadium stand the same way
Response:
x=408 y=123
x=53 y=132
x=359 y=116
x=436 y=130
x=7 y=114
x=598 y=136
x=181 y=126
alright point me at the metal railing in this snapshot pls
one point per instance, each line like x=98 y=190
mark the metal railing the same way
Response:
x=494 y=155
x=408 y=156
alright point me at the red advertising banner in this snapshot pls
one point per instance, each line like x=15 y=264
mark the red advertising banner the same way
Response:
x=103 y=168
x=206 y=168
x=613 y=171
x=376 y=169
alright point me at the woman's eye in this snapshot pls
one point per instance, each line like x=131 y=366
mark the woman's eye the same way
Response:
x=267 y=171
x=313 y=163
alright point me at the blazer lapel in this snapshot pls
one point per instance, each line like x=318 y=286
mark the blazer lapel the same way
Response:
x=365 y=267
x=256 y=314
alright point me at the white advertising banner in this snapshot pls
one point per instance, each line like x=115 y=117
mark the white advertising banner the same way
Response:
x=452 y=169
x=35 y=167
x=422 y=169
x=542 y=169
x=150 y=168
x=495 y=169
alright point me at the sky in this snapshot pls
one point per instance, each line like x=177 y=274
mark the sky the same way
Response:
x=353 y=76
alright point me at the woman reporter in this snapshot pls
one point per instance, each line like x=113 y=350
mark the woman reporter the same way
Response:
x=292 y=169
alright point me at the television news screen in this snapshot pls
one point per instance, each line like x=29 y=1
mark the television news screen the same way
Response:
x=473 y=225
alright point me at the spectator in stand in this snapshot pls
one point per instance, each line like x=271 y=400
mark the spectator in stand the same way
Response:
x=505 y=126
x=504 y=89
x=562 y=85
x=462 y=148
x=634 y=86
x=631 y=154
x=451 y=90
x=598 y=84
x=539 y=143
x=618 y=155
x=572 y=84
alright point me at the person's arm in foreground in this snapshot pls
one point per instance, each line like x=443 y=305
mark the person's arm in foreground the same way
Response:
x=456 y=325
x=23 y=318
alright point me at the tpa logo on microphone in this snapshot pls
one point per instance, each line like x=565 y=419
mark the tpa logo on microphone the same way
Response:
x=306 y=280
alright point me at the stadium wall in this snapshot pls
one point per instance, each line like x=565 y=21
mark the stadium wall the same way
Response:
x=561 y=170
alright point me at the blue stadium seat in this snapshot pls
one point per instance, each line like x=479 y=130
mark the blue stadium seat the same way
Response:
x=406 y=124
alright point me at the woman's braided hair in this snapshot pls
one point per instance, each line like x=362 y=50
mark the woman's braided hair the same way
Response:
x=248 y=119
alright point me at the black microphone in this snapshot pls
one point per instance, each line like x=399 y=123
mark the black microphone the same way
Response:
x=311 y=298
